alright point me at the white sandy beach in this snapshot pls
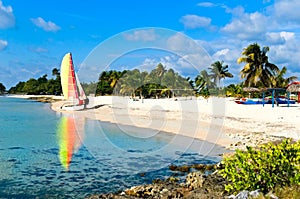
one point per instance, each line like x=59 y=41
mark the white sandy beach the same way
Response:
x=217 y=120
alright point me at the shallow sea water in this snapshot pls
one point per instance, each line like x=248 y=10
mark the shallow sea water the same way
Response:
x=49 y=155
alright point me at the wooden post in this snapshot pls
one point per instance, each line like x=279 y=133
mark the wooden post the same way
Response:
x=263 y=99
x=273 y=98
x=288 y=98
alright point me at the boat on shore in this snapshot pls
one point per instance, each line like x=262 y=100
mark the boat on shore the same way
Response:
x=251 y=101
x=72 y=90
x=283 y=101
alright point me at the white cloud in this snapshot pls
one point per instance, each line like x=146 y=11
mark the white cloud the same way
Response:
x=3 y=44
x=46 y=26
x=236 y=12
x=221 y=54
x=189 y=50
x=286 y=54
x=279 y=37
x=7 y=19
x=274 y=38
x=287 y=11
x=247 y=26
x=195 y=21
x=287 y=35
x=148 y=64
x=141 y=35
x=206 y=4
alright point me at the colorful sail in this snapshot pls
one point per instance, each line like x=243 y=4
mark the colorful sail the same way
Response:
x=68 y=79
x=69 y=136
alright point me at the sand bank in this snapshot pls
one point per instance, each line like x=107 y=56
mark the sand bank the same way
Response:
x=217 y=120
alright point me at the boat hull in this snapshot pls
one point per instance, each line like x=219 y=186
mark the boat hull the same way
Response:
x=283 y=101
x=251 y=101
x=73 y=108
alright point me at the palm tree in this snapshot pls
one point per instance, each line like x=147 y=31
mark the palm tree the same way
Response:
x=156 y=75
x=234 y=90
x=203 y=80
x=280 y=81
x=219 y=71
x=55 y=72
x=258 y=69
x=132 y=82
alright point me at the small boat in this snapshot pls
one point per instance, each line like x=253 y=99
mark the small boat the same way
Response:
x=251 y=101
x=71 y=87
x=283 y=101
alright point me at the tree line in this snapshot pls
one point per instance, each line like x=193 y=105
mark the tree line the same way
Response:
x=257 y=72
x=42 y=85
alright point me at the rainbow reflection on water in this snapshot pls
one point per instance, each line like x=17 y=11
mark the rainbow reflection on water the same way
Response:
x=70 y=133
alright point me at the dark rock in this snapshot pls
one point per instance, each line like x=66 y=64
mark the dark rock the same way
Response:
x=197 y=186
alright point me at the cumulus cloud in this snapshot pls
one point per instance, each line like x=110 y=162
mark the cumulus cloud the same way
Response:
x=287 y=11
x=286 y=54
x=192 y=55
x=180 y=42
x=7 y=19
x=279 y=37
x=3 y=44
x=247 y=25
x=141 y=35
x=195 y=21
x=221 y=54
x=46 y=26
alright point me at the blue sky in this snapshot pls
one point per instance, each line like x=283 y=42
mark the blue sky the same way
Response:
x=116 y=34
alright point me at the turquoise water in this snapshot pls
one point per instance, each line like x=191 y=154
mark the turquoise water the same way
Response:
x=103 y=158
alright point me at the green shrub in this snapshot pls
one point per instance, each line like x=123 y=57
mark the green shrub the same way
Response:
x=264 y=168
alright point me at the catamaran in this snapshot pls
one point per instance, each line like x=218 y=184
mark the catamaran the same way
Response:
x=71 y=87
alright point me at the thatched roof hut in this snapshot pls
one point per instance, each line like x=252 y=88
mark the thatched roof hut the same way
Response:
x=293 y=87
x=251 y=89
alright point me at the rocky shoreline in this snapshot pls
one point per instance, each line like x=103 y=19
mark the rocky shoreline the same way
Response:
x=203 y=182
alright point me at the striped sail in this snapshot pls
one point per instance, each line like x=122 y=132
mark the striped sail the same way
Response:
x=68 y=79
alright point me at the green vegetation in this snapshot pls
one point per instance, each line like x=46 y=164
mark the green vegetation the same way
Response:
x=266 y=168
x=2 y=88
x=257 y=72
x=39 y=86
x=218 y=72
x=154 y=84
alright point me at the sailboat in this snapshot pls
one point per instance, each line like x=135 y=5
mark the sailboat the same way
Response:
x=71 y=87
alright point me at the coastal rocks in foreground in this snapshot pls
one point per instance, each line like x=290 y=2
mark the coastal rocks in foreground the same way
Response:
x=196 y=186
